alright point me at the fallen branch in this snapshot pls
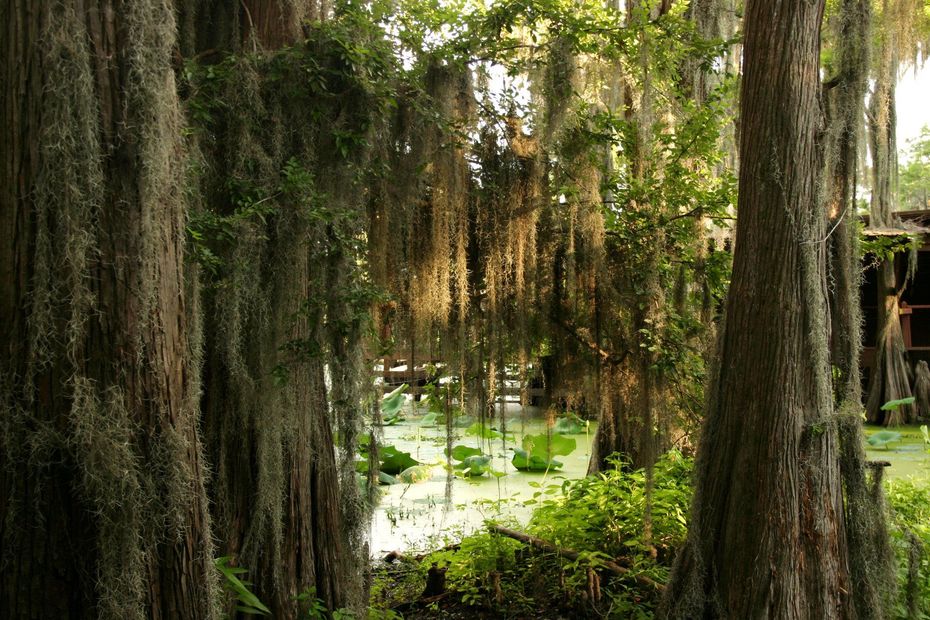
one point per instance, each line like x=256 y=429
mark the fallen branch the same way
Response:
x=570 y=554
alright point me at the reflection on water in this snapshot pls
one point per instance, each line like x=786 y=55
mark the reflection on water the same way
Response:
x=413 y=515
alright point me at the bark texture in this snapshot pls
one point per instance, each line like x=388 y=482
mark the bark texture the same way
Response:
x=267 y=409
x=766 y=537
x=103 y=508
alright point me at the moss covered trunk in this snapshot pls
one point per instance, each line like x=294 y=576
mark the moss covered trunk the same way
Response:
x=268 y=412
x=766 y=538
x=890 y=378
x=639 y=428
x=102 y=501
x=871 y=563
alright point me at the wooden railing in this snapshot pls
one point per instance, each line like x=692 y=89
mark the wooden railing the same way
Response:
x=420 y=376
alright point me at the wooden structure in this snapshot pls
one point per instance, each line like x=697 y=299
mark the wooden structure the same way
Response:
x=396 y=371
x=915 y=299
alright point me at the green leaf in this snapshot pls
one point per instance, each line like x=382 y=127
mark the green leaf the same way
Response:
x=883 y=438
x=571 y=425
x=481 y=430
x=393 y=402
x=545 y=446
x=430 y=419
x=891 y=405
x=460 y=453
x=393 y=461
x=415 y=474
x=524 y=461
x=475 y=465
x=248 y=602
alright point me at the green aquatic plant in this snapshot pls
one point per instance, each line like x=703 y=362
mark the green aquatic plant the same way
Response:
x=474 y=465
x=392 y=406
x=881 y=439
x=460 y=452
x=415 y=474
x=538 y=451
x=524 y=461
x=482 y=430
x=571 y=424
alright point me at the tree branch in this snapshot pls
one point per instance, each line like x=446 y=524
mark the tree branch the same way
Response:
x=607 y=356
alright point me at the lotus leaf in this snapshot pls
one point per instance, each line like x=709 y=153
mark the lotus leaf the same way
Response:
x=568 y=426
x=883 y=438
x=393 y=461
x=480 y=430
x=545 y=446
x=393 y=402
x=415 y=474
x=524 y=461
x=475 y=465
x=430 y=419
x=460 y=453
x=891 y=405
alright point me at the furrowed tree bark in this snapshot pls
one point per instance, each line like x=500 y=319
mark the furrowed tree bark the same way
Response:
x=102 y=501
x=767 y=536
x=267 y=406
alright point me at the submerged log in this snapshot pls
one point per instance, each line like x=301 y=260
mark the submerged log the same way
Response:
x=570 y=554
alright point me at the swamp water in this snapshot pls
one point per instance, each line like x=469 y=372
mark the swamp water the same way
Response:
x=908 y=452
x=448 y=504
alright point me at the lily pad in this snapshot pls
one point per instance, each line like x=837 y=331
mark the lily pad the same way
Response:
x=568 y=426
x=485 y=432
x=475 y=465
x=393 y=420
x=430 y=419
x=384 y=478
x=545 y=446
x=394 y=461
x=460 y=453
x=883 y=438
x=393 y=402
x=891 y=405
x=415 y=474
x=524 y=461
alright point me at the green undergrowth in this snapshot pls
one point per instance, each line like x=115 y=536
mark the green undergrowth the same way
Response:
x=909 y=526
x=599 y=517
x=489 y=575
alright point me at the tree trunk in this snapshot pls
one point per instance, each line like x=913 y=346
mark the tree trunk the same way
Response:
x=891 y=375
x=871 y=561
x=101 y=474
x=268 y=411
x=766 y=537
x=922 y=391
